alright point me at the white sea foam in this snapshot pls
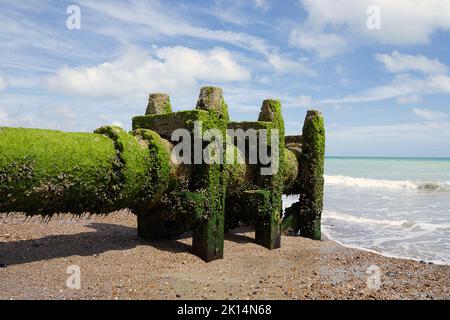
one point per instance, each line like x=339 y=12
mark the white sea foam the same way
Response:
x=391 y=215
x=407 y=224
x=385 y=253
x=386 y=184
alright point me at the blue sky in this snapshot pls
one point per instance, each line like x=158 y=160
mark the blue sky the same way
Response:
x=383 y=92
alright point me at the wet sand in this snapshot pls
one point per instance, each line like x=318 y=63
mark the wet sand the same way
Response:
x=116 y=264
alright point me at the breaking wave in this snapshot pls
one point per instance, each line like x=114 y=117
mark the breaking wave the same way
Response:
x=407 y=224
x=387 y=184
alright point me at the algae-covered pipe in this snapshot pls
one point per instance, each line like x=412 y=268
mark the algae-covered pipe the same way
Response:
x=47 y=172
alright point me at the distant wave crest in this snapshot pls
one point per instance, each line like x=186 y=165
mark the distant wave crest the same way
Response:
x=386 y=184
x=407 y=224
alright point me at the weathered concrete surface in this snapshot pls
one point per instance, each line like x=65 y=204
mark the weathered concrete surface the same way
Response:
x=158 y=103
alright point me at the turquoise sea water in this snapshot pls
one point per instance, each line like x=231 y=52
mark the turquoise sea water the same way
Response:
x=395 y=206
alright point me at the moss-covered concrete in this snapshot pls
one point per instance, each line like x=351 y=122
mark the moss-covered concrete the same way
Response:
x=158 y=103
x=304 y=217
x=211 y=99
x=210 y=180
x=294 y=140
x=165 y=124
x=261 y=193
x=271 y=111
x=267 y=225
x=246 y=125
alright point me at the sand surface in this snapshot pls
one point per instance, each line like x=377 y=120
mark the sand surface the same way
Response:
x=116 y=264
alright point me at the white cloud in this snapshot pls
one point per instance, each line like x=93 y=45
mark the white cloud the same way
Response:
x=429 y=139
x=3 y=83
x=405 y=85
x=261 y=4
x=3 y=115
x=342 y=73
x=59 y=117
x=401 y=86
x=397 y=130
x=155 y=19
x=285 y=65
x=305 y=101
x=65 y=112
x=405 y=88
x=236 y=12
x=117 y=124
x=398 y=63
x=160 y=20
x=325 y=44
x=229 y=11
x=136 y=71
x=409 y=99
x=430 y=114
x=403 y=22
x=29 y=43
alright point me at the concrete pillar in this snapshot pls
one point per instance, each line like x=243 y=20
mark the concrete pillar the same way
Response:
x=311 y=177
x=158 y=103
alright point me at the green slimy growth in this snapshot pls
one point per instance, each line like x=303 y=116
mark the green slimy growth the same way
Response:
x=47 y=172
x=198 y=202
x=211 y=180
x=165 y=124
x=260 y=193
x=270 y=236
x=132 y=165
x=159 y=177
x=311 y=178
x=167 y=208
x=267 y=224
x=290 y=172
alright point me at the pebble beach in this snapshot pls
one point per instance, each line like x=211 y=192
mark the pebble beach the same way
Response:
x=115 y=263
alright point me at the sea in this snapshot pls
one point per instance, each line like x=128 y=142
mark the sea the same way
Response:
x=398 y=207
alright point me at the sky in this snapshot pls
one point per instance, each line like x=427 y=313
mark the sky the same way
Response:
x=379 y=70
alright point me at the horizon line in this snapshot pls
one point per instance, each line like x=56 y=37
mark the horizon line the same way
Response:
x=390 y=157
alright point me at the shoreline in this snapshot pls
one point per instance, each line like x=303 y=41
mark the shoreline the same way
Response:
x=385 y=254
x=116 y=264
